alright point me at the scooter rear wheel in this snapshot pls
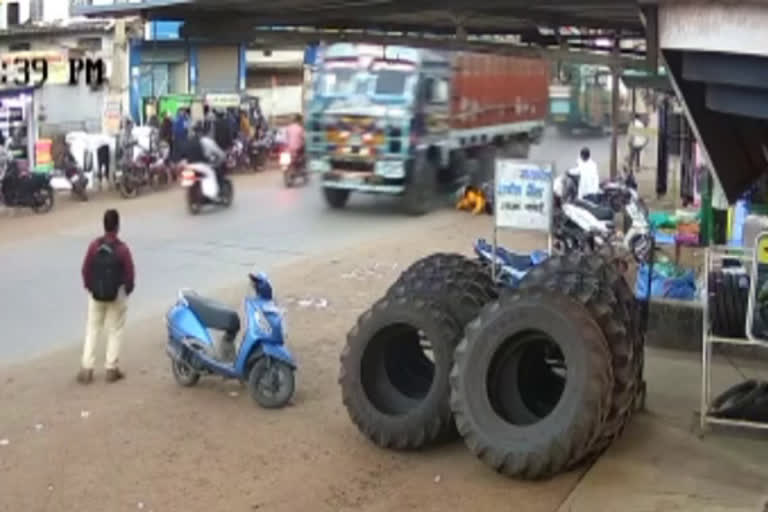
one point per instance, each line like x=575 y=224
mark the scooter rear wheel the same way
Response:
x=184 y=374
x=271 y=383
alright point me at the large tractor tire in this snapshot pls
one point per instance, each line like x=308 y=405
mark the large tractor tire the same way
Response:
x=447 y=265
x=514 y=410
x=607 y=271
x=461 y=298
x=602 y=304
x=396 y=394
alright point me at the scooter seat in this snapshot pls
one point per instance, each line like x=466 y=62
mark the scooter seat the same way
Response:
x=213 y=314
x=600 y=212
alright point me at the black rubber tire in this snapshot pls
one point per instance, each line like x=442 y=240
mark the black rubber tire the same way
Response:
x=563 y=438
x=283 y=395
x=421 y=190
x=627 y=307
x=384 y=413
x=227 y=192
x=336 y=198
x=47 y=197
x=462 y=298
x=184 y=374
x=449 y=265
x=735 y=402
x=715 y=316
x=602 y=304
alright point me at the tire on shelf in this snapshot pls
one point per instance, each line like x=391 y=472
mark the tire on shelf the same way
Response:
x=602 y=304
x=396 y=395
x=517 y=432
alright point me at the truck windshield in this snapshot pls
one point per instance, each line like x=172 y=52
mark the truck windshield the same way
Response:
x=338 y=82
x=391 y=82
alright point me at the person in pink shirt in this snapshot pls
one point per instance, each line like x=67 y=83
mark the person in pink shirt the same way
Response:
x=294 y=136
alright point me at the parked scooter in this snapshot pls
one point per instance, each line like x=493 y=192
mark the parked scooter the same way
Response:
x=293 y=169
x=22 y=189
x=588 y=224
x=261 y=361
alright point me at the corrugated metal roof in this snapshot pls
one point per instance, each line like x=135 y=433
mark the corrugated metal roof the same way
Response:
x=489 y=16
x=25 y=31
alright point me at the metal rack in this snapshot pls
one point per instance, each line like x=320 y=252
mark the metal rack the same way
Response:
x=717 y=254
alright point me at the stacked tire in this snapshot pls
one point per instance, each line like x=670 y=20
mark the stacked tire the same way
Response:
x=537 y=380
x=728 y=293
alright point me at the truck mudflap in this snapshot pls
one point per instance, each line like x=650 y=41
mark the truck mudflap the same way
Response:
x=367 y=182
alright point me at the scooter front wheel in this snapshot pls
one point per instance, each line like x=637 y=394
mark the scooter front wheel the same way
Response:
x=271 y=383
x=184 y=374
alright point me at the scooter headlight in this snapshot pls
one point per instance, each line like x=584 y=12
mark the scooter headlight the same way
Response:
x=261 y=320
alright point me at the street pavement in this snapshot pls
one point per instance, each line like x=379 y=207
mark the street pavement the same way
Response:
x=42 y=300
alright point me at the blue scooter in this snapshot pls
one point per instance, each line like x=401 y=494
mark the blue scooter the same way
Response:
x=262 y=361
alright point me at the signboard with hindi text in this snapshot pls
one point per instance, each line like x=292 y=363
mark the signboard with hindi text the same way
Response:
x=523 y=195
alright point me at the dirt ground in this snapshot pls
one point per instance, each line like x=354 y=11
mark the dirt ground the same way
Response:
x=146 y=444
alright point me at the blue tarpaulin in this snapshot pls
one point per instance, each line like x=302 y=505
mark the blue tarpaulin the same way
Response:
x=681 y=287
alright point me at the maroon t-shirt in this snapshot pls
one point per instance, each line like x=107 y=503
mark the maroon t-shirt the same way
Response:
x=123 y=253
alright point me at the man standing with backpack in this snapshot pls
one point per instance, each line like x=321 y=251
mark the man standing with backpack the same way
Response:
x=108 y=275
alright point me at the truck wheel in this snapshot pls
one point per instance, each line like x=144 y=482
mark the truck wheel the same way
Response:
x=336 y=197
x=531 y=384
x=419 y=195
x=394 y=373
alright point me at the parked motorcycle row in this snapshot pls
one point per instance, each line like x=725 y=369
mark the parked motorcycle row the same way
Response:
x=587 y=224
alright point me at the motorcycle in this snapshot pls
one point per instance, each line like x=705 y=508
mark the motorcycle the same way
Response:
x=193 y=178
x=588 y=224
x=78 y=181
x=262 y=361
x=293 y=168
x=238 y=158
x=259 y=150
x=133 y=174
x=26 y=190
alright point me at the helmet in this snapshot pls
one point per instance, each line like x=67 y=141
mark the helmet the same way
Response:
x=261 y=284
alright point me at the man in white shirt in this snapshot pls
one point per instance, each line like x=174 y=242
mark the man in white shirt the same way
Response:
x=589 y=177
x=637 y=142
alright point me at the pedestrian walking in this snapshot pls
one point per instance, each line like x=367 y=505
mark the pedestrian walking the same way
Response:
x=108 y=276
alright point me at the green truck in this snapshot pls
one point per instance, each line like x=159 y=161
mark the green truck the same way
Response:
x=580 y=99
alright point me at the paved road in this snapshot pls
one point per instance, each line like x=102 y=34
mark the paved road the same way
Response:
x=42 y=303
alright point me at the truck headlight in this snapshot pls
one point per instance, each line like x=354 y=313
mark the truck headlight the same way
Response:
x=390 y=169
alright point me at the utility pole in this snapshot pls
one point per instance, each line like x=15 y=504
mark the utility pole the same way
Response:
x=616 y=77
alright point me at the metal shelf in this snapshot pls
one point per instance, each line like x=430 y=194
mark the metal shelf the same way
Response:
x=717 y=254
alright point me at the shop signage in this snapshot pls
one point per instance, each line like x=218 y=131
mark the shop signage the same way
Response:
x=222 y=100
x=523 y=195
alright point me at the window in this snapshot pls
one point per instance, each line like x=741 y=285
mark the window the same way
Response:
x=36 y=10
x=19 y=47
x=340 y=81
x=12 y=14
x=92 y=44
x=390 y=81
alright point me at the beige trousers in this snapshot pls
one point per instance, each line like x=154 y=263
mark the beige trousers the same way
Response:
x=109 y=316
